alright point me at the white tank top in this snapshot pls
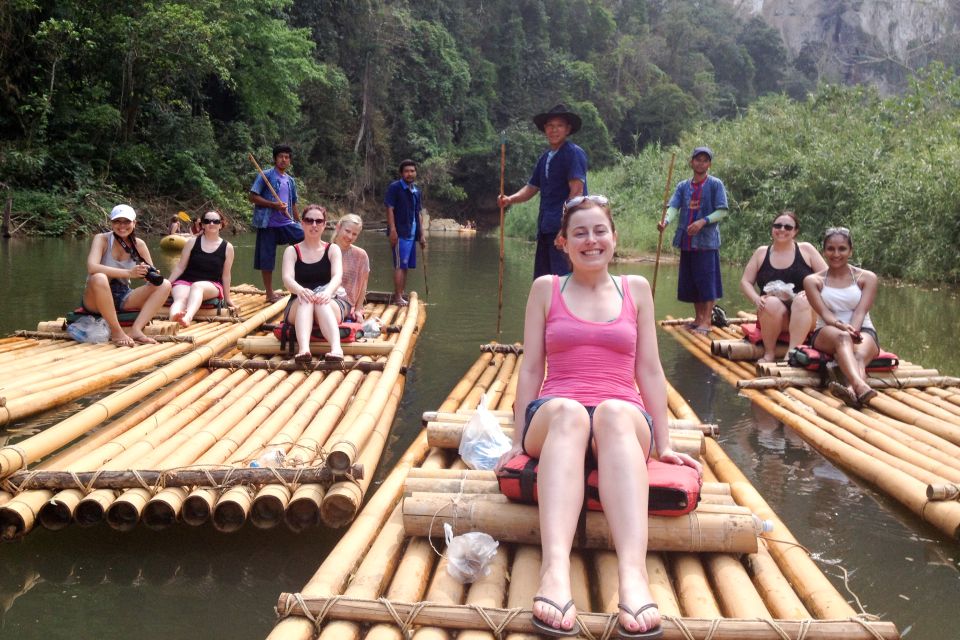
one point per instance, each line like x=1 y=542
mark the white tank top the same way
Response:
x=842 y=301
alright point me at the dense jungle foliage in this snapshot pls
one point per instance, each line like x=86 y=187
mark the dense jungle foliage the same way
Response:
x=153 y=99
x=885 y=168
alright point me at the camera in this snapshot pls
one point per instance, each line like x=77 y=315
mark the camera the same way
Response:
x=153 y=276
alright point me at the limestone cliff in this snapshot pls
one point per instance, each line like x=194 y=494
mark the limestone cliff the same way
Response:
x=875 y=41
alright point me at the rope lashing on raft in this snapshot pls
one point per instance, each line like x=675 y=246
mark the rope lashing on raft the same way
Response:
x=492 y=347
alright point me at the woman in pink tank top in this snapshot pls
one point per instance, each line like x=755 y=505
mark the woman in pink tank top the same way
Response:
x=591 y=377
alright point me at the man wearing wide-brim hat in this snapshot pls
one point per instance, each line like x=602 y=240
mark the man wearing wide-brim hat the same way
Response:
x=560 y=174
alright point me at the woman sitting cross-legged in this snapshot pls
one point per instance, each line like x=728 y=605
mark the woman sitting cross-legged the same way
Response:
x=592 y=336
x=843 y=295
x=203 y=271
x=115 y=257
x=312 y=271
x=356 y=262
x=787 y=262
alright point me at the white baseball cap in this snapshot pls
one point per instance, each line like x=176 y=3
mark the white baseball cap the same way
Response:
x=123 y=211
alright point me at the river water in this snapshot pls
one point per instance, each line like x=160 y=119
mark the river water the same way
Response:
x=196 y=583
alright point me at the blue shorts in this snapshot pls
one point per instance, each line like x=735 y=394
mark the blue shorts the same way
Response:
x=405 y=254
x=536 y=404
x=699 y=279
x=265 y=250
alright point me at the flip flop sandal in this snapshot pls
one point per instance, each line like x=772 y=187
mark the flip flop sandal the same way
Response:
x=555 y=632
x=649 y=634
x=844 y=395
x=865 y=397
x=333 y=357
x=303 y=358
x=704 y=331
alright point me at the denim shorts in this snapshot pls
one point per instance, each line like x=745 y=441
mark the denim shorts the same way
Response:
x=536 y=404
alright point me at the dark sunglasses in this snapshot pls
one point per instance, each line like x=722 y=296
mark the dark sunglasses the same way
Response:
x=212 y=221
x=313 y=221
x=782 y=225
x=573 y=203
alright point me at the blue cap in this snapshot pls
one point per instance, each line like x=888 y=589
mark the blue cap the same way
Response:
x=700 y=150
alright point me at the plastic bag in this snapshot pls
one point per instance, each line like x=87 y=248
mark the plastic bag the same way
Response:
x=89 y=329
x=483 y=441
x=372 y=327
x=780 y=289
x=469 y=554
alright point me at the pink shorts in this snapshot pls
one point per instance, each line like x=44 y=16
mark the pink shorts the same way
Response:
x=216 y=284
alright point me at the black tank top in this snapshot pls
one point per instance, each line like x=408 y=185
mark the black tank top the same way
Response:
x=795 y=273
x=311 y=275
x=205 y=266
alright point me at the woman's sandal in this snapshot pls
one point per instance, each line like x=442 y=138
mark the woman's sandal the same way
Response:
x=303 y=358
x=649 y=634
x=865 y=397
x=555 y=632
x=844 y=394
x=333 y=357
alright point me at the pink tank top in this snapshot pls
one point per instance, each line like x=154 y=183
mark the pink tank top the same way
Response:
x=591 y=361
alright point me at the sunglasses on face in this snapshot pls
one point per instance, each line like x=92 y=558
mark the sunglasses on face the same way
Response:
x=573 y=203
x=313 y=221
x=783 y=225
x=211 y=221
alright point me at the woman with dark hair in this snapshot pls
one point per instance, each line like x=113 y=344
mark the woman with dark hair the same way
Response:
x=591 y=379
x=115 y=257
x=203 y=271
x=843 y=295
x=312 y=272
x=778 y=270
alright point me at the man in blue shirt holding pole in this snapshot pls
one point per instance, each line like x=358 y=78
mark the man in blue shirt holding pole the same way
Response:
x=560 y=174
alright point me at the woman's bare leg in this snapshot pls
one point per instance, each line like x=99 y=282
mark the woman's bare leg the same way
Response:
x=622 y=438
x=303 y=325
x=199 y=291
x=178 y=308
x=149 y=299
x=326 y=315
x=802 y=320
x=98 y=298
x=773 y=319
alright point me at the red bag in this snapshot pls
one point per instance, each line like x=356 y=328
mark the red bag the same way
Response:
x=674 y=489
x=751 y=332
x=349 y=332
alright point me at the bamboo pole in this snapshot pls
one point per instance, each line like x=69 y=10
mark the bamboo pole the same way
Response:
x=270 y=346
x=16 y=457
x=467 y=617
x=342 y=454
x=663 y=220
x=424 y=514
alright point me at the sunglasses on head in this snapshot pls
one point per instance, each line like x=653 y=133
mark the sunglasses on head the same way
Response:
x=784 y=225
x=573 y=203
x=212 y=221
x=313 y=221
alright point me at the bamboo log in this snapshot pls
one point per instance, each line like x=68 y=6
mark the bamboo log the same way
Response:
x=786 y=381
x=773 y=586
x=738 y=596
x=270 y=346
x=505 y=418
x=290 y=365
x=467 y=617
x=524 y=582
x=424 y=514
x=342 y=454
x=14 y=458
x=225 y=477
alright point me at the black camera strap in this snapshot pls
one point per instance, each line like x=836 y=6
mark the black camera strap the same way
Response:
x=130 y=248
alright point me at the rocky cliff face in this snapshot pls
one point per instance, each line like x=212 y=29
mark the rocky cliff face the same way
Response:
x=875 y=41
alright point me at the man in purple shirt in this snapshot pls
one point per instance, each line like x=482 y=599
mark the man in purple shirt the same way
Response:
x=276 y=222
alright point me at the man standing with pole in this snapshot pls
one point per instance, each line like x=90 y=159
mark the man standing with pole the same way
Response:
x=560 y=174
x=275 y=215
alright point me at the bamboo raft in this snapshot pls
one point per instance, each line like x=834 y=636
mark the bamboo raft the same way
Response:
x=381 y=582
x=906 y=443
x=183 y=452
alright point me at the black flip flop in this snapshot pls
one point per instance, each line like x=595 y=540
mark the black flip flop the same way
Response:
x=555 y=632
x=844 y=394
x=649 y=634
x=865 y=397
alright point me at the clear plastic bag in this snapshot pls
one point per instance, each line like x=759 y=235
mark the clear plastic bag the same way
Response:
x=780 y=289
x=89 y=329
x=372 y=327
x=483 y=441
x=469 y=554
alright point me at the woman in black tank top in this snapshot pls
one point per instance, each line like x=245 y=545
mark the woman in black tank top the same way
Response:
x=312 y=272
x=203 y=271
x=778 y=271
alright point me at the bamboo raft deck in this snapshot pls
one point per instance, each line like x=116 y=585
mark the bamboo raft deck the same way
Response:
x=46 y=368
x=380 y=582
x=906 y=443
x=182 y=453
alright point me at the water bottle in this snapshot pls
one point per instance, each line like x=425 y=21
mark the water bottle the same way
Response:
x=77 y=331
x=269 y=458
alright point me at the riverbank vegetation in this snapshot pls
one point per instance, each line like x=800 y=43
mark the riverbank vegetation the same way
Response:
x=164 y=99
x=884 y=167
